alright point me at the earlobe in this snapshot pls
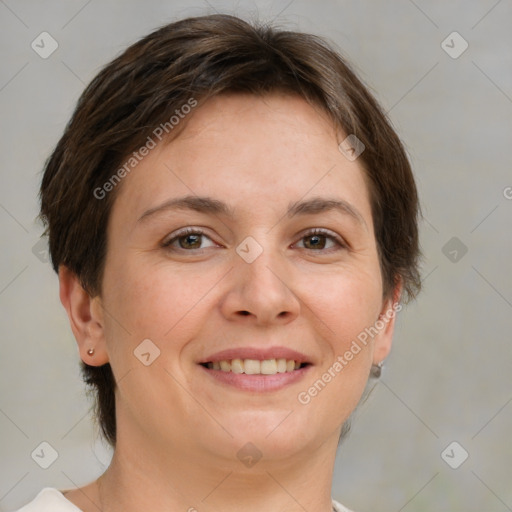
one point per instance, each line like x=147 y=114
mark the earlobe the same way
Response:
x=384 y=340
x=85 y=318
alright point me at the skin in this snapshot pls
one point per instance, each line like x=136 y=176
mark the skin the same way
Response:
x=178 y=430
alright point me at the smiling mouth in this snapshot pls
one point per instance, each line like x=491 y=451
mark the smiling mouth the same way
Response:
x=255 y=366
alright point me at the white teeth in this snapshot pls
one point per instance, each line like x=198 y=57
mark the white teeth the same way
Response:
x=255 y=367
x=252 y=366
x=237 y=366
x=269 y=367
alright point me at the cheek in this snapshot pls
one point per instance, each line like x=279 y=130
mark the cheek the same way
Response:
x=347 y=302
x=347 y=306
x=155 y=301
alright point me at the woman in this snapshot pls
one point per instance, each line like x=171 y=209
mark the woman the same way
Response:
x=234 y=224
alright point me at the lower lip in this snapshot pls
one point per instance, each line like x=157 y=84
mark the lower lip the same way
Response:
x=257 y=383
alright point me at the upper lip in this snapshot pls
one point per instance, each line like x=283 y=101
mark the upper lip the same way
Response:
x=276 y=352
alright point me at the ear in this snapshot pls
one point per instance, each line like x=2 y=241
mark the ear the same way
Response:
x=85 y=316
x=383 y=341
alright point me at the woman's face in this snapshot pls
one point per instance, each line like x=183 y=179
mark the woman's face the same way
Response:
x=268 y=271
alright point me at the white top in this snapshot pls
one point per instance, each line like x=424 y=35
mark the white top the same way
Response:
x=52 y=500
x=49 y=500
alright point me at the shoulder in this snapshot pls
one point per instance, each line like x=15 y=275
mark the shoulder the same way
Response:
x=52 y=500
x=338 y=507
x=49 y=500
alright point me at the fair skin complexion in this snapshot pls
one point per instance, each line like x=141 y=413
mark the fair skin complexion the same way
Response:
x=178 y=428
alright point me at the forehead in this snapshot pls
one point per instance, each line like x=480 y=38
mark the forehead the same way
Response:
x=248 y=151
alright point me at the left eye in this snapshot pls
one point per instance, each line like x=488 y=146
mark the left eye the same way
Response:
x=318 y=239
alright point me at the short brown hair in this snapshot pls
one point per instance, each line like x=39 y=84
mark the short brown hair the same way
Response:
x=199 y=58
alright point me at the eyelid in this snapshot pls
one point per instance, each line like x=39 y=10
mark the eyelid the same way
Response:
x=189 y=230
x=329 y=234
x=342 y=244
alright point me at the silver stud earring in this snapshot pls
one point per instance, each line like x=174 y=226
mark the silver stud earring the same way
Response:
x=377 y=369
x=90 y=351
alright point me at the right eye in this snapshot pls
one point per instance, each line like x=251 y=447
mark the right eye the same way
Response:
x=188 y=239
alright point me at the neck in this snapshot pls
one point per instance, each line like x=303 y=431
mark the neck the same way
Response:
x=143 y=476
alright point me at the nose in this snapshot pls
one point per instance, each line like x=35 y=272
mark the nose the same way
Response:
x=261 y=292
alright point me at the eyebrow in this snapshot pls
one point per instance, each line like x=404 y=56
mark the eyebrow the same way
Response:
x=209 y=205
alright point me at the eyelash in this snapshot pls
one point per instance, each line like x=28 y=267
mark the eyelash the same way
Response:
x=198 y=231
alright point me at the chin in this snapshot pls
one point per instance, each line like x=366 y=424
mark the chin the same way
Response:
x=276 y=434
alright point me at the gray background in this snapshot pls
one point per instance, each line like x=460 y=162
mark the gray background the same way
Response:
x=449 y=376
